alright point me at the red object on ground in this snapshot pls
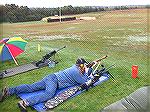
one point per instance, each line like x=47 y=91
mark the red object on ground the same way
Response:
x=134 y=71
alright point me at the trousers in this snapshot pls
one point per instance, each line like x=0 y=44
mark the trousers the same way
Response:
x=49 y=84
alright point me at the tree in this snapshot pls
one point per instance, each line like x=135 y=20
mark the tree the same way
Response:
x=15 y=13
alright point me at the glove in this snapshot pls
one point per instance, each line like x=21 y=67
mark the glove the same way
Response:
x=84 y=86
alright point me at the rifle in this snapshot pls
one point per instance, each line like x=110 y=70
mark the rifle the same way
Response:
x=47 y=56
x=97 y=75
x=98 y=60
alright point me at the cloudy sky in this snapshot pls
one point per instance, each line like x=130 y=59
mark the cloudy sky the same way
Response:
x=57 y=3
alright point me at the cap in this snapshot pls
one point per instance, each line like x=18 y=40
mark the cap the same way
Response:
x=80 y=61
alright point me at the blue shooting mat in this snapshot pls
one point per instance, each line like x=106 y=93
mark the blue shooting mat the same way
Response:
x=40 y=107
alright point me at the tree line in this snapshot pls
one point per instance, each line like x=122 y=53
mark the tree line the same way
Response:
x=13 y=13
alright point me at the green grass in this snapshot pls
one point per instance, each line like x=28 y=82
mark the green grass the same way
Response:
x=109 y=34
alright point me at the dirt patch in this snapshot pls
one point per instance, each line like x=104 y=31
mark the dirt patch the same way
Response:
x=127 y=41
x=56 y=37
x=70 y=28
x=143 y=38
x=138 y=38
x=110 y=37
x=86 y=18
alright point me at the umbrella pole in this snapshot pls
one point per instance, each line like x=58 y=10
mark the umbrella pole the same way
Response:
x=15 y=61
x=13 y=57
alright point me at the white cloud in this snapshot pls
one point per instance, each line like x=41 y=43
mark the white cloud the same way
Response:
x=57 y=3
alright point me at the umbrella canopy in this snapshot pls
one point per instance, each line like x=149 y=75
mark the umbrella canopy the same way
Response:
x=11 y=47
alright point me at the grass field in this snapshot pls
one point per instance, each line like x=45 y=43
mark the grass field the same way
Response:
x=122 y=35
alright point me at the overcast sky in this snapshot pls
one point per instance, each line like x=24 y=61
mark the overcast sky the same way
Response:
x=57 y=3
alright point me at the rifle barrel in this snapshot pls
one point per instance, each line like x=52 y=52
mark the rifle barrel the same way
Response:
x=61 y=48
x=92 y=63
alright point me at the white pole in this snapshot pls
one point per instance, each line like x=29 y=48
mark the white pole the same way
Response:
x=60 y=13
